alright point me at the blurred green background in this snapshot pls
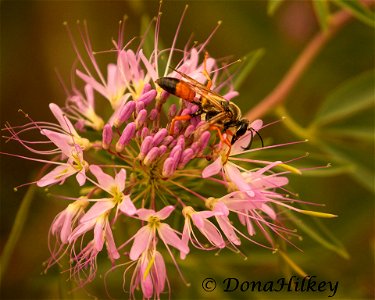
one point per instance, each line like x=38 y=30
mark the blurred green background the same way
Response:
x=34 y=43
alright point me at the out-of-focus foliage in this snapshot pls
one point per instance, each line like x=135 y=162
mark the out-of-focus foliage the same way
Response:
x=332 y=106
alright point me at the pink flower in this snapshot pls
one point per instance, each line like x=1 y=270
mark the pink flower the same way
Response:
x=145 y=237
x=209 y=230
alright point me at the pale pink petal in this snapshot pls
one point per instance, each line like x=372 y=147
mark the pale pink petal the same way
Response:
x=58 y=174
x=89 y=91
x=185 y=238
x=62 y=141
x=213 y=168
x=150 y=69
x=127 y=206
x=99 y=235
x=212 y=234
x=66 y=229
x=146 y=282
x=105 y=181
x=164 y=212
x=250 y=227
x=81 y=177
x=236 y=177
x=62 y=119
x=120 y=180
x=141 y=242
x=268 y=210
x=144 y=213
x=99 y=208
x=228 y=230
x=97 y=86
x=160 y=273
x=81 y=229
x=169 y=237
x=221 y=208
x=111 y=246
x=230 y=95
x=257 y=124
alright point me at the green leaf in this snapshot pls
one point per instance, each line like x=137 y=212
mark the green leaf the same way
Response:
x=358 y=10
x=272 y=6
x=323 y=238
x=351 y=97
x=353 y=155
x=249 y=62
x=16 y=231
x=321 y=9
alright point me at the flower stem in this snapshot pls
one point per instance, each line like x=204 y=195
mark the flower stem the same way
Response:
x=281 y=91
x=16 y=229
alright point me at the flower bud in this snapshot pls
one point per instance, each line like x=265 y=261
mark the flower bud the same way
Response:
x=148 y=97
x=107 y=136
x=151 y=156
x=127 y=134
x=125 y=113
x=141 y=118
x=159 y=136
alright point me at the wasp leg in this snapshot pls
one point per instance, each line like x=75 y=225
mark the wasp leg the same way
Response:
x=222 y=139
x=178 y=118
x=205 y=72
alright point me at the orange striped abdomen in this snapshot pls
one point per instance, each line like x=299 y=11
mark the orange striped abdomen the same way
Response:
x=176 y=87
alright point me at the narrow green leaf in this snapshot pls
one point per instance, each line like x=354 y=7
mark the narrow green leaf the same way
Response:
x=362 y=169
x=327 y=242
x=272 y=6
x=16 y=231
x=321 y=9
x=358 y=10
x=351 y=97
x=249 y=62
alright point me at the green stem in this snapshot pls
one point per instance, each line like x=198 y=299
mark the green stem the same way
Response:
x=16 y=230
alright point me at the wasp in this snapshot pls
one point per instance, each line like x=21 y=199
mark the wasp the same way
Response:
x=220 y=114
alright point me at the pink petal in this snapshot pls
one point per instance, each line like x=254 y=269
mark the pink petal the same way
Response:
x=62 y=119
x=169 y=237
x=144 y=213
x=164 y=212
x=268 y=210
x=99 y=235
x=89 y=91
x=111 y=246
x=185 y=238
x=236 y=177
x=97 y=86
x=212 y=234
x=127 y=206
x=146 y=283
x=141 y=241
x=99 y=208
x=213 y=168
x=58 y=174
x=81 y=177
x=160 y=273
x=81 y=229
x=250 y=227
x=105 y=181
x=221 y=208
x=62 y=141
x=257 y=124
x=66 y=229
x=120 y=180
x=228 y=230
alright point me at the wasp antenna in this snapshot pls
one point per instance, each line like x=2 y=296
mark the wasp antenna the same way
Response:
x=257 y=133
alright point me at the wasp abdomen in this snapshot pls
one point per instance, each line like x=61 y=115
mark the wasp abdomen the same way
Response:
x=176 y=87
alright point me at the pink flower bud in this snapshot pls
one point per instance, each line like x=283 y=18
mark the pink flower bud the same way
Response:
x=189 y=130
x=127 y=134
x=125 y=113
x=145 y=147
x=141 y=118
x=148 y=97
x=172 y=110
x=159 y=136
x=162 y=150
x=153 y=114
x=186 y=156
x=167 y=140
x=139 y=106
x=107 y=135
x=145 y=132
x=146 y=88
x=168 y=167
x=151 y=156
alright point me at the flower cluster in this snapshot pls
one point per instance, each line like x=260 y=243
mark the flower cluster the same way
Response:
x=141 y=161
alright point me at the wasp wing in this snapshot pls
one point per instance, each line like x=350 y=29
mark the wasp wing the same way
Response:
x=203 y=91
